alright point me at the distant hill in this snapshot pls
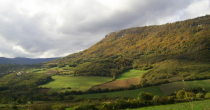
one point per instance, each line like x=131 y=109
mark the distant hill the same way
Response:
x=174 y=51
x=20 y=60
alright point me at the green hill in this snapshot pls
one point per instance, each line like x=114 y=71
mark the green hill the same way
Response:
x=175 y=51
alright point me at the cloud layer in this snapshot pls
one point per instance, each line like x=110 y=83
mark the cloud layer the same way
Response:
x=55 y=28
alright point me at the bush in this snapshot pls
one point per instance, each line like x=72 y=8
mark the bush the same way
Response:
x=58 y=107
x=145 y=96
x=156 y=99
x=14 y=107
x=207 y=95
x=42 y=107
x=190 y=95
x=181 y=94
x=85 y=107
x=200 y=95
x=171 y=99
x=164 y=100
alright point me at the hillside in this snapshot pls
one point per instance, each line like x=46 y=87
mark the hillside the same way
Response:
x=20 y=60
x=175 y=51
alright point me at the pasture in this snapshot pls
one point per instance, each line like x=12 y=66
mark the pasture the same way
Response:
x=61 y=83
x=127 y=93
x=195 y=105
x=127 y=78
x=132 y=73
x=163 y=89
x=175 y=86
x=65 y=69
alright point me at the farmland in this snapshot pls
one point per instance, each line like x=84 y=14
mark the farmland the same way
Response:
x=127 y=78
x=132 y=73
x=61 y=83
x=53 y=70
x=163 y=89
x=127 y=93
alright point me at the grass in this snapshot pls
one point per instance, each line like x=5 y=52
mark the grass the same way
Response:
x=132 y=73
x=69 y=109
x=164 y=89
x=127 y=93
x=196 y=105
x=22 y=106
x=76 y=83
x=175 y=86
x=65 y=69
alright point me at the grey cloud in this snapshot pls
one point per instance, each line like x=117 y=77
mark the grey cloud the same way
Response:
x=76 y=25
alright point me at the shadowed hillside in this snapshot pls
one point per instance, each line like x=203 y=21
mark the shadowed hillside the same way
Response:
x=175 y=51
x=20 y=60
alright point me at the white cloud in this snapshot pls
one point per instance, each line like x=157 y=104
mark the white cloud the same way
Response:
x=54 y=28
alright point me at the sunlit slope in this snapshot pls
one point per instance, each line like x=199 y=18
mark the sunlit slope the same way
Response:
x=185 y=43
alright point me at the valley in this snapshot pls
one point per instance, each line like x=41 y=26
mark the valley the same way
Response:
x=130 y=68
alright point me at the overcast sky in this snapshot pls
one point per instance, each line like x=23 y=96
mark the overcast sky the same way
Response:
x=56 y=28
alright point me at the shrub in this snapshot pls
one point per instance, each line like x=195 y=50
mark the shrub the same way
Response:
x=58 y=107
x=42 y=107
x=85 y=107
x=164 y=100
x=145 y=96
x=14 y=107
x=190 y=95
x=207 y=95
x=200 y=95
x=171 y=99
x=156 y=99
x=181 y=94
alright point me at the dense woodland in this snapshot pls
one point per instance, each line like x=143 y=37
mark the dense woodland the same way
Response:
x=175 y=51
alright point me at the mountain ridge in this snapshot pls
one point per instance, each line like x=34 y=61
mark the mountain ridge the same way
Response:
x=179 y=43
x=22 y=60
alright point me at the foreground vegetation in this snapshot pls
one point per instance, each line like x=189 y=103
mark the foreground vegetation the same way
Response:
x=192 y=105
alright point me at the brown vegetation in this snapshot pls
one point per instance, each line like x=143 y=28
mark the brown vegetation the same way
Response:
x=51 y=72
x=119 y=83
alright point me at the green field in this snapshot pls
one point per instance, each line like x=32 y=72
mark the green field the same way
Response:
x=76 y=83
x=62 y=69
x=127 y=93
x=175 y=86
x=132 y=73
x=164 y=89
x=196 y=105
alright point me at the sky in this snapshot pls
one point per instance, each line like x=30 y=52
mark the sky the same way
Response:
x=57 y=28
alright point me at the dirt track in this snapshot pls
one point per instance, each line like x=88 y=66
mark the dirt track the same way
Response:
x=119 y=83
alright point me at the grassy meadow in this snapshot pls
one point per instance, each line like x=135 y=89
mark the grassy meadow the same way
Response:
x=127 y=93
x=163 y=89
x=132 y=73
x=55 y=69
x=76 y=83
x=195 y=105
